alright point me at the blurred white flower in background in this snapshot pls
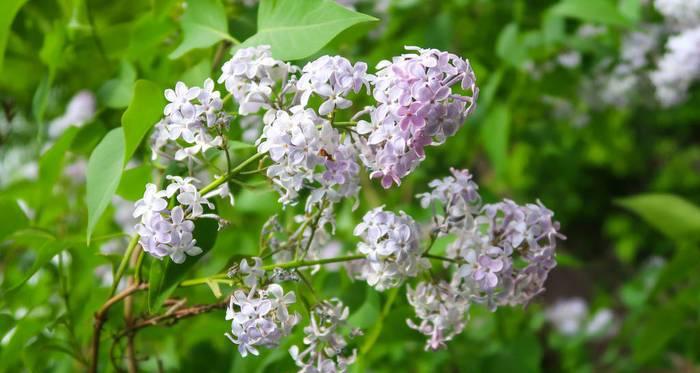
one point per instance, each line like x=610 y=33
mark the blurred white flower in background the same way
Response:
x=571 y=316
x=79 y=111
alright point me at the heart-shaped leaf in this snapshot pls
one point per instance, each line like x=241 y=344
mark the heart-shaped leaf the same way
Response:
x=297 y=29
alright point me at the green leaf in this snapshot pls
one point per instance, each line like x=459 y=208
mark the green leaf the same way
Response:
x=103 y=174
x=26 y=329
x=598 y=11
x=40 y=100
x=165 y=275
x=632 y=9
x=297 y=29
x=7 y=322
x=203 y=25
x=509 y=46
x=133 y=182
x=47 y=247
x=654 y=332
x=8 y=11
x=145 y=109
x=13 y=218
x=51 y=163
x=494 y=134
x=671 y=215
x=116 y=93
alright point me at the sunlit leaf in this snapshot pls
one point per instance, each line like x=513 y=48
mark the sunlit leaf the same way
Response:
x=103 y=174
x=14 y=218
x=598 y=11
x=673 y=216
x=145 y=109
x=203 y=24
x=8 y=10
x=297 y=29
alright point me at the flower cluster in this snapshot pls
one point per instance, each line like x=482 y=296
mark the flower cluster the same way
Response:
x=260 y=318
x=680 y=13
x=194 y=116
x=250 y=76
x=390 y=243
x=168 y=232
x=325 y=343
x=443 y=312
x=307 y=150
x=417 y=107
x=332 y=78
x=459 y=196
x=678 y=68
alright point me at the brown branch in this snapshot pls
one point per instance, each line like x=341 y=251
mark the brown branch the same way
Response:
x=101 y=317
x=170 y=318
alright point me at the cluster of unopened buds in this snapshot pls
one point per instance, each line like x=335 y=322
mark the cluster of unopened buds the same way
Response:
x=500 y=253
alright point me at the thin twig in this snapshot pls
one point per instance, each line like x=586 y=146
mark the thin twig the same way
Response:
x=101 y=317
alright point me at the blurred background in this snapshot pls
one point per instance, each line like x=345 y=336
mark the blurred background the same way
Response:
x=589 y=106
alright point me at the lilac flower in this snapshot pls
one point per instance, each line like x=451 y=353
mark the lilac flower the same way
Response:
x=390 y=243
x=190 y=117
x=250 y=76
x=180 y=106
x=260 y=318
x=308 y=153
x=332 y=78
x=152 y=202
x=441 y=309
x=253 y=273
x=418 y=106
x=324 y=341
x=166 y=232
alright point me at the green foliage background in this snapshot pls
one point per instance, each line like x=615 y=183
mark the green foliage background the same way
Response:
x=624 y=186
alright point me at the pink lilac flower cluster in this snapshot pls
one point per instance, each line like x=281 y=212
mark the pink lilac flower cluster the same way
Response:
x=418 y=106
x=168 y=232
x=490 y=238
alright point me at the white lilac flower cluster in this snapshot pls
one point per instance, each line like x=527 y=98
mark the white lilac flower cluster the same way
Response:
x=417 y=106
x=260 y=318
x=678 y=68
x=460 y=195
x=193 y=116
x=307 y=150
x=332 y=78
x=252 y=74
x=391 y=245
x=680 y=14
x=168 y=232
x=571 y=317
x=326 y=346
x=443 y=312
